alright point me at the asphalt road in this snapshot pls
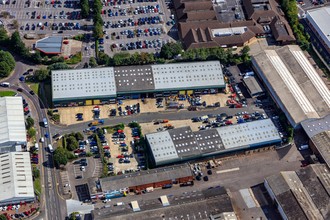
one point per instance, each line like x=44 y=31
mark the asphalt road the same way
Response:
x=150 y=116
x=52 y=206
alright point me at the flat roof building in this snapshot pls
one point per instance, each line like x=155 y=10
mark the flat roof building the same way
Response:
x=152 y=178
x=50 y=45
x=12 y=125
x=182 y=144
x=318 y=131
x=303 y=194
x=83 y=84
x=102 y=84
x=206 y=204
x=293 y=83
x=253 y=86
x=16 y=183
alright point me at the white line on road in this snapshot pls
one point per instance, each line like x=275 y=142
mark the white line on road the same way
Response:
x=228 y=170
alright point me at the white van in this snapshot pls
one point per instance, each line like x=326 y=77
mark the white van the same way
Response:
x=303 y=147
x=50 y=148
x=119 y=203
x=42 y=139
x=36 y=146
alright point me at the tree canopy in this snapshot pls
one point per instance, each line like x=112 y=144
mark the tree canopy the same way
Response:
x=72 y=143
x=84 y=5
x=169 y=50
x=29 y=122
x=60 y=156
x=7 y=63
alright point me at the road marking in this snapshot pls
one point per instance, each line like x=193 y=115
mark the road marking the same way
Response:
x=228 y=170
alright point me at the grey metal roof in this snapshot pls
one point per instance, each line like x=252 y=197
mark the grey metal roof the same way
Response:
x=320 y=18
x=209 y=141
x=51 y=44
x=188 y=75
x=12 y=122
x=83 y=83
x=248 y=134
x=145 y=177
x=253 y=85
x=184 y=142
x=134 y=78
x=315 y=126
x=316 y=180
x=293 y=82
x=322 y=143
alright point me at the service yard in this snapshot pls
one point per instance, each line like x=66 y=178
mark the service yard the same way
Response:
x=69 y=114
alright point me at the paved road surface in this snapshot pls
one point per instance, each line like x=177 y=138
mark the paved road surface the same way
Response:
x=52 y=207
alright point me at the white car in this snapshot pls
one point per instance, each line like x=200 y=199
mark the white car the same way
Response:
x=82 y=168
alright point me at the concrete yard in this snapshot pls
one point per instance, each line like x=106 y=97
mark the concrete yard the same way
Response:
x=68 y=113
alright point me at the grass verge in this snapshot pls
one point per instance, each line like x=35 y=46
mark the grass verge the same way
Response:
x=34 y=87
x=37 y=186
x=7 y=93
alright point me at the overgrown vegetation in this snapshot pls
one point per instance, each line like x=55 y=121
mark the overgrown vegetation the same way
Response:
x=6 y=93
x=79 y=37
x=291 y=11
x=112 y=129
x=74 y=59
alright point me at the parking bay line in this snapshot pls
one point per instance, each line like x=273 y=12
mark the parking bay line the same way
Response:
x=228 y=170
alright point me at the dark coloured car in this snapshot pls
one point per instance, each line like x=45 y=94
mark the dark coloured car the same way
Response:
x=206 y=178
x=31 y=92
x=78 y=177
x=20 y=89
x=209 y=172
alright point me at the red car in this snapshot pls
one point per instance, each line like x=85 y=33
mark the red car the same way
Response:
x=120 y=156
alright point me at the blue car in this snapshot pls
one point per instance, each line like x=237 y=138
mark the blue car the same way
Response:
x=46 y=135
x=22 y=78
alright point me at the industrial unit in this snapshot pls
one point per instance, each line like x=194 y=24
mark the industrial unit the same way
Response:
x=182 y=144
x=293 y=83
x=105 y=85
x=16 y=183
x=318 y=132
x=317 y=19
x=12 y=125
x=138 y=182
x=50 y=45
x=303 y=194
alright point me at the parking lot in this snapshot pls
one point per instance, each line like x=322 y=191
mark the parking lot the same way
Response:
x=68 y=114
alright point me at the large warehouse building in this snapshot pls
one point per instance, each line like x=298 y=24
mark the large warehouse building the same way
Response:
x=102 y=85
x=293 y=83
x=302 y=195
x=16 y=183
x=12 y=125
x=318 y=132
x=182 y=144
x=317 y=19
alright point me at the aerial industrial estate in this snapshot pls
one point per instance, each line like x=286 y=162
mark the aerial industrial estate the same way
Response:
x=164 y=109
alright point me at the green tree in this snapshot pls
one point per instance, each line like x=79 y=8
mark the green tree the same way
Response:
x=72 y=143
x=59 y=66
x=103 y=59
x=36 y=57
x=79 y=136
x=3 y=36
x=36 y=172
x=4 y=69
x=84 y=5
x=42 y=74
x=31 y=132
x=92 y=62
x=60 y=156
x=3 y=217
x=17 y=44
x=169 y=50
x=98 y=30
x=29 y=122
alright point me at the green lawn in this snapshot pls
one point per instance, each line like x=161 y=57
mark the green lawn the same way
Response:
x=7 y=93
x=37 y=186
x=34 y=87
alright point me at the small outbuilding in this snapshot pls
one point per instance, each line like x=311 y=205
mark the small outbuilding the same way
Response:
x=50 y=45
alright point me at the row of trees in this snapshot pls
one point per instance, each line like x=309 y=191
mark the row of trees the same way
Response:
x=7 y=63
x=85 y=9
x=175 y=51
x=291 y=10
x=97 y=19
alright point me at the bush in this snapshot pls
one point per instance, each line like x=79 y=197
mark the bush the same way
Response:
x=29 y=122
x=7 y=63
x=31 y=132
x=75 y=59
x=36 y=172
x=72 y=143
x=60 y=156
x=42 y=74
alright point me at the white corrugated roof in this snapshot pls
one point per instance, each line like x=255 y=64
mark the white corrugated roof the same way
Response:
x=320 y=18
x=290 y=82
x=188 y=75
x=12 y=122
x=16 y=176
x=248 y=134
x=83 y=83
